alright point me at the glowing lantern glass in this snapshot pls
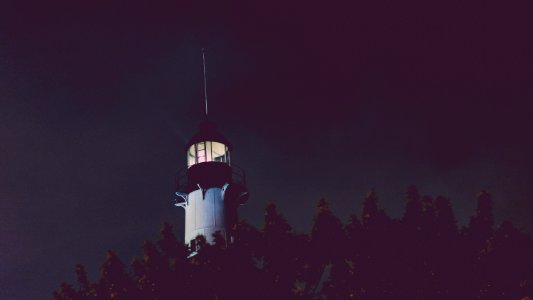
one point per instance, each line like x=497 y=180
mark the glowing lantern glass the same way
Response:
x=207 y=151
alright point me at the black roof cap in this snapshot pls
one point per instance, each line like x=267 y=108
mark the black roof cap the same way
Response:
x=208 y=132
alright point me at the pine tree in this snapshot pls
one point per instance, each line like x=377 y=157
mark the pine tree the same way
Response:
x=279 y=256
x=115 y=283
x=327 y=245
x=328 y=240
x=353 y=231
x=86 y=289
x=375 y=269
x=445 y=252
x=66 y=292
x=476 y=238
x=170 y=247
x=412 y=217
x=384 y=261
x=481 y=224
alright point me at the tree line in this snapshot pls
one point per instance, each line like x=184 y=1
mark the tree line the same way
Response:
x=422 y=255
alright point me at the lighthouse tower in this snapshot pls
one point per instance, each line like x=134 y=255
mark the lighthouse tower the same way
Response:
x=210 y=188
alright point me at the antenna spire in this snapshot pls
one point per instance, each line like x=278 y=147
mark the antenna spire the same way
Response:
x=205 y=82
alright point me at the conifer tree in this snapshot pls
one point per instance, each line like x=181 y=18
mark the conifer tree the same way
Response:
x=275 y=225
x=328 y=240
x=413 y=210
x=247 y=237
x=115 y=283
x=446 y=225
x=377 y=265
x=174 y=254
x=445 y=259
x=475 y=238
x=481 y=224
x=280 y=256
x=86 y=289
x=372 y=215
x=169 y=245
x=327 y=245
x=66 y=292
x=353 y=231
x=384 y=261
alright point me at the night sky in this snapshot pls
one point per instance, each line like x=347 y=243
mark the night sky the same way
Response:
x=97 y=102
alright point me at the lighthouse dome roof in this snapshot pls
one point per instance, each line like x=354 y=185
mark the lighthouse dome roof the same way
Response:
x=208 y=132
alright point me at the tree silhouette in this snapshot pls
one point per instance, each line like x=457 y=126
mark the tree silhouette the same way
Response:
x=326 y=246
x=481 y=224
x=328 y=240
x=412 y=217
x=66 y=292
x=445 y=252
x=281 y=256
x=115 y=282
x=419 y=256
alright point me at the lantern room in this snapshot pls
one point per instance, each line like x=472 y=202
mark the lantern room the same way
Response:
x=207 y=151
x=208 y=145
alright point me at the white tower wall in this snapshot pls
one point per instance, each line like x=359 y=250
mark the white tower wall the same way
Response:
x=204 y=215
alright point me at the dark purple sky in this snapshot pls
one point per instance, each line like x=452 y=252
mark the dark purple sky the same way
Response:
x=97 y=101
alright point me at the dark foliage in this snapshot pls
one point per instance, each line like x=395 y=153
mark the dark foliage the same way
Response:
x=422 y=256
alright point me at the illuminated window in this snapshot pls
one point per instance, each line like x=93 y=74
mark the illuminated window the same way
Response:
x=218 y=151
x=191 y=156
x=207 y=151
x=200 y=152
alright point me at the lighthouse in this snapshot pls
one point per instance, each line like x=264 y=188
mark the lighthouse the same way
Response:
x=210 y=188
